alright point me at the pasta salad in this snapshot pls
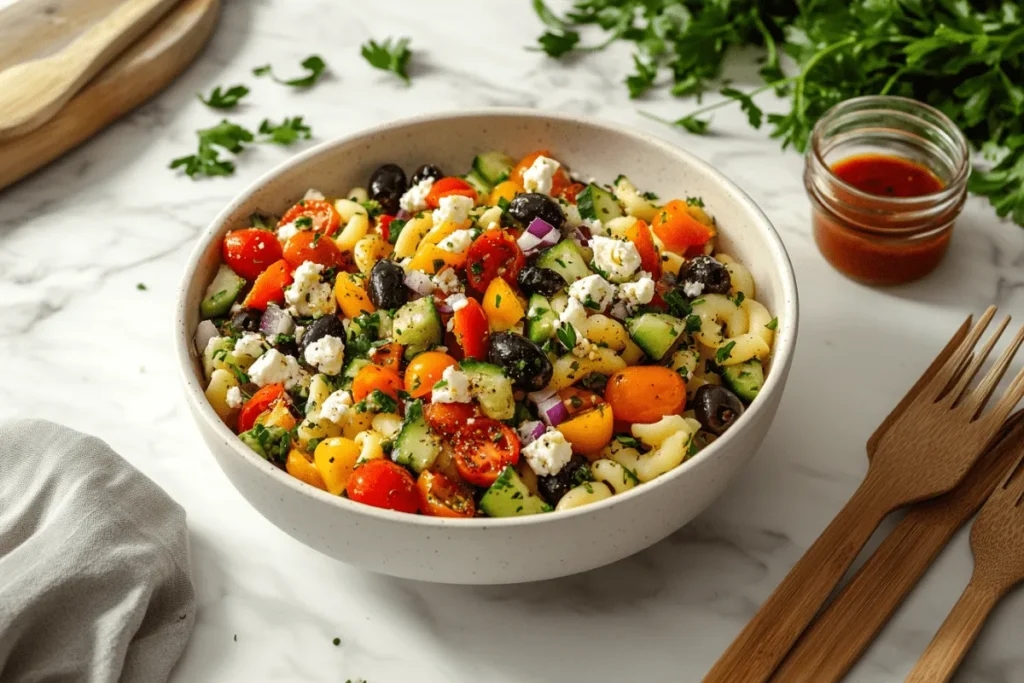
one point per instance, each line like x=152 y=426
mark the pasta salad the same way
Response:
x=506 y=342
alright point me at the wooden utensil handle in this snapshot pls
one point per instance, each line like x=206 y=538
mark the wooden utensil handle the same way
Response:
x=766 y=640
x=956 y=635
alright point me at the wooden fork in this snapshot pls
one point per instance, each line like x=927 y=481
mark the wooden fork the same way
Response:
x=924 y=452
x=997 y=541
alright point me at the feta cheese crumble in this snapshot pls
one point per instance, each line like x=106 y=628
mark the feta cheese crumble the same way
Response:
x=617 y=259
x=538 y=178
x=418 y=281
x=593 y=291
x=637 y=293
x=234 y=397
x=326 y=354
x=274 y=367
x=453 y=209
x=307 y=295
x=336 y=407
x=548 y=454
x=574 y=314
x=693 y=289
x=447 y=281
x=415 y=198
x=287 y=230
x=313 y=194
x=452 y=388
x=457 y=301
x=457 y=242
x=250 y=346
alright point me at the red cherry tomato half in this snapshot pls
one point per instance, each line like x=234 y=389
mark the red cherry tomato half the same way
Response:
x=446 y=418
x=493 y=254
x=248 y=252
x=446 y=187
x=312 y=246
x=441 y=497
x=384 y=224
x=384 y=484
x=324 y=217
x=259 y=404
x=483 y=449
x=572 y=191
x=469 y=325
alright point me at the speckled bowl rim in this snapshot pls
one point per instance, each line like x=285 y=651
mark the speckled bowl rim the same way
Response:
x=787 y=332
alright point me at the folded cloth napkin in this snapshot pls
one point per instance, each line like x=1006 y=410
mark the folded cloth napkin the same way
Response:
x=94 y=563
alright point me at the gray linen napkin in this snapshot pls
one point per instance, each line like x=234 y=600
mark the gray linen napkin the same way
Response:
x=94 y=563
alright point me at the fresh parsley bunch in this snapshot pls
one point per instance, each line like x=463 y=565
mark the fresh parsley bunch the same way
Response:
x=964 y=57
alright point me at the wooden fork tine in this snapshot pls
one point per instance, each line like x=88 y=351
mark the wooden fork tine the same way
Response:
x=947 y=372
x=979 y=397
x=979 y=359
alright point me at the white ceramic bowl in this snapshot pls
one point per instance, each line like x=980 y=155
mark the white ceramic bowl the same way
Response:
x=492 y=551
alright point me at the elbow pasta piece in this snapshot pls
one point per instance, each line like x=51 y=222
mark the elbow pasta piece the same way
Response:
x=617 y=477
x=758 y=319
x=656 y=433
x=669 y=455
x=409 y=239
x=491 y=215
x=700 y=214
x=685 y=359
x=742 y=280
x=617 y=227
x=347 y=208
x=217 y=393
x=369 y=446
x=319 y=390
x=635 y=203
x=713 y=310
x=632 y=354
x=387 y=425
x=569 y=369
x=368 y=251
x=671 y=262
x=606 y=331
x=355 y=229
x=358 y=194
x=584 y=494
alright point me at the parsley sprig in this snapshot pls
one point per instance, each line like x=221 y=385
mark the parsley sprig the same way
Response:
x=389 y=55
x=314 y=65
x=225 y=136
x=286 y=132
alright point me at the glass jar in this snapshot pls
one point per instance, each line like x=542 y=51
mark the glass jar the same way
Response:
x=878 y=239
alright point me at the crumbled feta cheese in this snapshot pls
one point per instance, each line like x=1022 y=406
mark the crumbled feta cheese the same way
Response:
x=250 y=345
x=234 y=397
x=447 y=281
x=572 y=214
x=457 y=301
x=595 y=226
x=287 y=230
x=493 y=225
x=326 y=354
x=274 y=367
x=299 y=331
x=619 y=310
x=548 y=454
x=452 y=388
x=538 y=178
x=453 y=209
x=637 y=293
x=307 y=295
x=418 y=281
x=415 y=198
x=457 y=242
x=692 y=289
x=585 y=348
x=574 y=314
x=617 y=259
x=593 y=291
x=336 y=407
x=526 y=431
x=313 y=194
x=470 y=420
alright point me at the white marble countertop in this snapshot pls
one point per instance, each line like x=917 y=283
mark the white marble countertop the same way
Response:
x=82 y=345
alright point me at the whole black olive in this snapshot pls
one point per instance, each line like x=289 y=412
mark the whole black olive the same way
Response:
x=328 y=325
x=553 y=487
x=525 y=207
x=386 y=286
x=247 y=320
x=707 y=272
x=543 y=281
x=716 y=408
x=426 y=171
x=387 y=185
x=521 y=359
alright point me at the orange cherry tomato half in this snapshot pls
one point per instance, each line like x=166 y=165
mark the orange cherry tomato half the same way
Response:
x=324 y=216
x=425 y=371
x=493 y=254
x=259 y=404
x=312 y=246
x=559 y=181
x=645 y=393
x=483 y=449
x=471 y=330
x=248 y=252
x=372 y=377
x=384 y=484
x=577 y=400
x=446 y=418
x=446 y=187
x=388 y=356
x=650 y=260
x=441 y=497
x=269 y=286
x=677 y=229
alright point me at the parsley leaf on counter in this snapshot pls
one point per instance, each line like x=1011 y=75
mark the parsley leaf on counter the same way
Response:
x=964 y=57
x=206 y=161
x=285 y=133
x=388 y=56
x=314 y=64
x=227 y=99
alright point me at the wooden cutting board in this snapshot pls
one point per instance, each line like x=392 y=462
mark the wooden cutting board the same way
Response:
x=143 y=70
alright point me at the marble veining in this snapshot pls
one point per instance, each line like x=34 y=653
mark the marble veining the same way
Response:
x=83 y=345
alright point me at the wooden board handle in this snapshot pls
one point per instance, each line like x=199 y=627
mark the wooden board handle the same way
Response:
x=766 y=640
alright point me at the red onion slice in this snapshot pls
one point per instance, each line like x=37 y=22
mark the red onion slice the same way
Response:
x=204 y=333
x=539 y=235
x=553 y=411
x=530 y=431
x=276 y=321
x=419 y=282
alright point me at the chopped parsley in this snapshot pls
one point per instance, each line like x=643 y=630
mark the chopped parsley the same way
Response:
x=225 y=136
x=497 y=300
x=285 y=133
x=692 y=323
x=303 y=222
x=377 y=402
x=772 y=324
x=226 y=99
x=314 y=65
x=388 y=55
x=723 y=354
x=739 y=298
x=141 y=287
x=567 y=335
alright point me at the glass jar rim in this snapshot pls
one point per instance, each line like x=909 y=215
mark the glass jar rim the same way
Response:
x=957 y=183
